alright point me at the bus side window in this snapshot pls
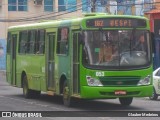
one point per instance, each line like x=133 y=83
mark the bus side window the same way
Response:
x=40 y=42
x=31 y=41
x=62 y=41
x=23 y=44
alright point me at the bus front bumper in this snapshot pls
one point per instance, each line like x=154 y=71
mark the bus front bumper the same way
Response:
x=88 y=92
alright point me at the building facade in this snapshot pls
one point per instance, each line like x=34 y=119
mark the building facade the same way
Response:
x=15 y=12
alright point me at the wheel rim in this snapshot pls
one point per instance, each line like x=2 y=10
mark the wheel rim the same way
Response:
x=153 y=94
x=66 y=94
x=25 y=87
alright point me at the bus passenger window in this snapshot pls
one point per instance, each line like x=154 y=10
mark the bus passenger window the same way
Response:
x=40 y=42
x=62 y=42
x=31 y=42
x=23 y=44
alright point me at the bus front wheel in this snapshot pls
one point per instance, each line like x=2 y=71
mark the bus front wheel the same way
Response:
x=126 y=101
x=66 y=95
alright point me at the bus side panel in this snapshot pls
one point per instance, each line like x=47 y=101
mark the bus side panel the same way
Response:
x=36 y=72
x=33 y=66
x=11 y=58
x=63 y=61
x=62 y=68
x=22 y=61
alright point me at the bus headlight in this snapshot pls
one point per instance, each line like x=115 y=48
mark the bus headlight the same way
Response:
x=145 y=81
x=93 y=82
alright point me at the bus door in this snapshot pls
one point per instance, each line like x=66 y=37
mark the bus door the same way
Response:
x=50 y=60
x=13 y=58
x=76 y=55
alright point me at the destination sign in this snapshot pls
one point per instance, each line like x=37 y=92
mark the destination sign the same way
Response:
x=115 y=22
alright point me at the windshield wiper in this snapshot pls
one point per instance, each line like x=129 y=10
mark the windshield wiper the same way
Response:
x=132 y=37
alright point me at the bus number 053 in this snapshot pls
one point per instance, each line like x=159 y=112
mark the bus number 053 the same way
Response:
x=99 y=73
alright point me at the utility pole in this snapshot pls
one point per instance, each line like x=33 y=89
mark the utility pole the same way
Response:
x=93 y=9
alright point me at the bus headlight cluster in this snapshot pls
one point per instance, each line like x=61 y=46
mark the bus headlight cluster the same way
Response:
x=93 y=82
x=145 y=81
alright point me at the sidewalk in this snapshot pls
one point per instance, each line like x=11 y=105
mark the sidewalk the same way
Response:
x=3 y=77
x=3 y=74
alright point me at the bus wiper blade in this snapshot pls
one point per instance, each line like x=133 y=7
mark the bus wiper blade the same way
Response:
x=132 y=37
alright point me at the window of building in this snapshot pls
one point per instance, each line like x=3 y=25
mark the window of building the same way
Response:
x=71 y=5
x=61 y=6
x=85 y=5
x=12 y=5
x=22 y=5
x=48 y=5
x=17 y=5
x=62 y=42
x=67 y=5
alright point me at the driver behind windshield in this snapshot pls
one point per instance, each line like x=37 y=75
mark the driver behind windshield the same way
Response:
x=140 y=43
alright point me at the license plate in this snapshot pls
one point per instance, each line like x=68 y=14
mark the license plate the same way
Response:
x=120 y=92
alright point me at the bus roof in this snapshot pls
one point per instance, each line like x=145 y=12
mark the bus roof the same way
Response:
x=68 y=21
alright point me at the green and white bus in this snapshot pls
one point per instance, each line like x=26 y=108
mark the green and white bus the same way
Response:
x=92 y=57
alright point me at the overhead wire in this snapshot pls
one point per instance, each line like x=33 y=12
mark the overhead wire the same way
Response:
x=45 y=16
x=41 y=14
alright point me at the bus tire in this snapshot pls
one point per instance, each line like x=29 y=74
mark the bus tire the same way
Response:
x=26 y=91
x=126 y=101
x=154 y=95
x=66 y=95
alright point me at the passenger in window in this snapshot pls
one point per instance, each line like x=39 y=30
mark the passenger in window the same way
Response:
x=106 y=52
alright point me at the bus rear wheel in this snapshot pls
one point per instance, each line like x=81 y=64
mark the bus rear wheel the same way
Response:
x=126 y=101
x=26 y=91
x=66 y=95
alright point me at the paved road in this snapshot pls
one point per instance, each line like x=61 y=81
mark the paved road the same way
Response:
x=11 y=99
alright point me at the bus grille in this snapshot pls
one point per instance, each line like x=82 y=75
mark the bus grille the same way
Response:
x=119 y=81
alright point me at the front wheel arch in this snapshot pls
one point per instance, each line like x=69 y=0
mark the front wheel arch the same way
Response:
x=67 y=100
x=62 y=81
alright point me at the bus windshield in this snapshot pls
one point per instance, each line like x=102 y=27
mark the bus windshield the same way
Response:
x=129 y=48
